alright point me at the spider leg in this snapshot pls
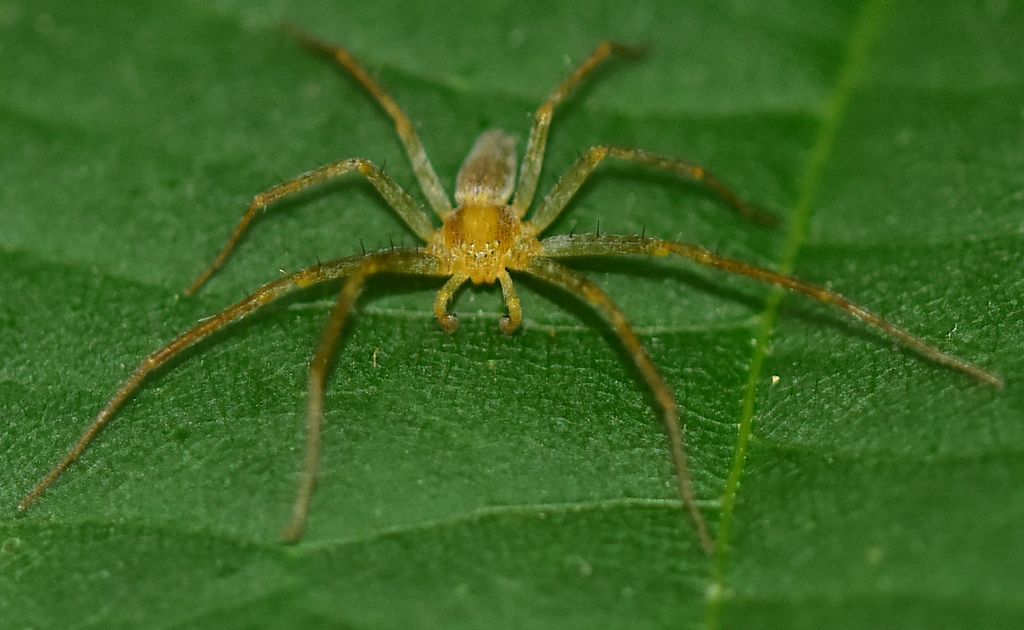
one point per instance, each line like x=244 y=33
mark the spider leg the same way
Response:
x=448 y=321
x=554 y=273
x=533 y=159
x=591 y=245
x=569 y=184
x=415 y=261
x=425 y=174
x=403 y=204
x=320 y=368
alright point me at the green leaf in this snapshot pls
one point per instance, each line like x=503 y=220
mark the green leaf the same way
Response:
x=476 y=480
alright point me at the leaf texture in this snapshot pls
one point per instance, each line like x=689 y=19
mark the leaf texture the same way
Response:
x=476 y=480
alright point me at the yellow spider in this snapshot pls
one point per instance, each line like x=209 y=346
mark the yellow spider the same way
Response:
x=481 y=239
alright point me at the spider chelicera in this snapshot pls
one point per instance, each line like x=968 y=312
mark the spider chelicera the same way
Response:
x=481 y=239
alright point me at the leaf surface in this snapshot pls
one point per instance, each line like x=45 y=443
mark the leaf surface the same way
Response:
x=476 y=480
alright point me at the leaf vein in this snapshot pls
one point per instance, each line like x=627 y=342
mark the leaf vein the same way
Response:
x=851 y=72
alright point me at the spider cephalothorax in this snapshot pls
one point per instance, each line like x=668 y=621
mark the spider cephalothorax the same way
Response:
x=484 y=235
x=480 y=241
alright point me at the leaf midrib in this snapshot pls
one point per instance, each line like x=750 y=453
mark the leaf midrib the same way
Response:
x=862 y=38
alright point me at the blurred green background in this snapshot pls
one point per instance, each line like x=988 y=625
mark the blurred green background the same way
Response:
x=476 y=480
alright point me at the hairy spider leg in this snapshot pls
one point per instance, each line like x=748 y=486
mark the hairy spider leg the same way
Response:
x=593 y=245
x=407 y=208
x=569 y=184
x=421 y=166
x=320 y=367
x=533 y=159
x=414 y=262
x=578 y=285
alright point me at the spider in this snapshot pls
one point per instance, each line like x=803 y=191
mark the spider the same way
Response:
x=482 y=238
